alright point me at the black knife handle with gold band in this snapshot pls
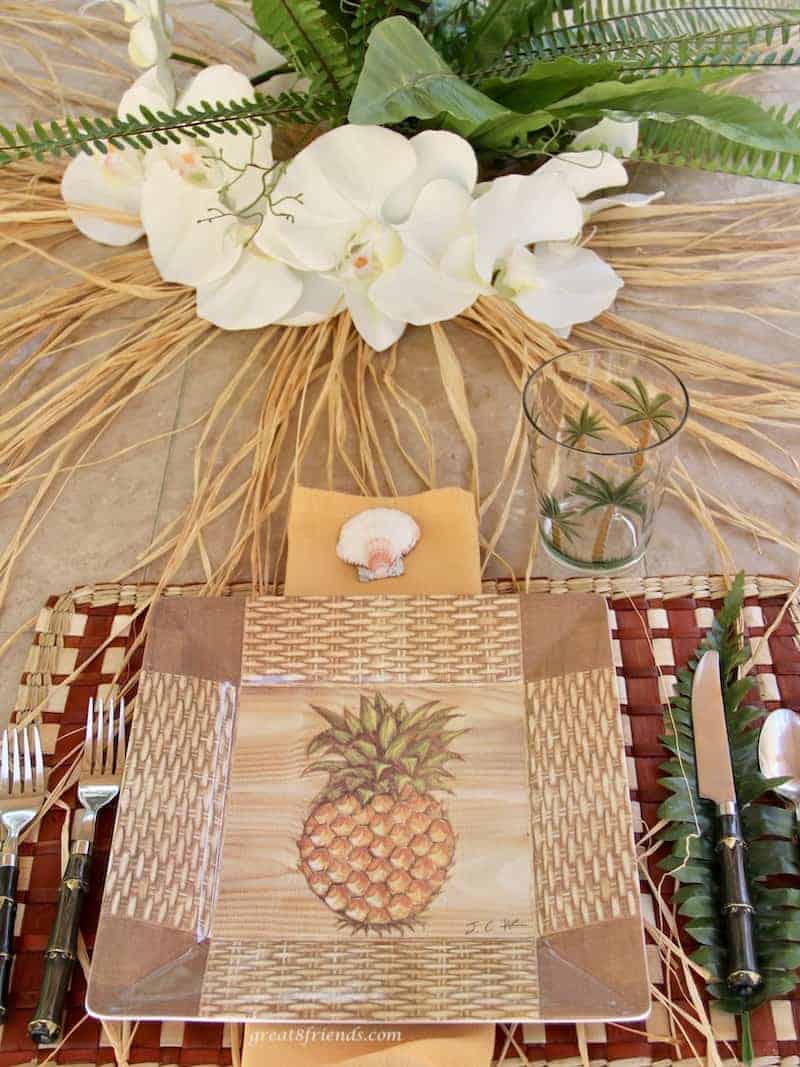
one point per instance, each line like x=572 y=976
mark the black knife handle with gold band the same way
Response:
x=62 y=948
x=742 y=975
x=9 y=873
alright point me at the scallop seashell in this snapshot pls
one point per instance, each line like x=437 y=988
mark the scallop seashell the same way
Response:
x=376 y=541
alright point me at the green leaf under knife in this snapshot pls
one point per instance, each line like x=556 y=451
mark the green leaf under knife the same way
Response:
x=769 y=830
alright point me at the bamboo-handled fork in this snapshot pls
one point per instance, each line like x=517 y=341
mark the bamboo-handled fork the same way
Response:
x=22 y=793
x=99 y=782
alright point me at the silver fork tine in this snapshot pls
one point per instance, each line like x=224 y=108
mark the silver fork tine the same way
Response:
x=120 y=760
x=108 y=762
x=86 y=762
x=27 y=784
x=20 y=801
x=97 y=755
x=38 y=760
x=16 y=787
x=5 y=774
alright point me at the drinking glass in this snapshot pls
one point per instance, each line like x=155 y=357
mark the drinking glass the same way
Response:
x=603 y=427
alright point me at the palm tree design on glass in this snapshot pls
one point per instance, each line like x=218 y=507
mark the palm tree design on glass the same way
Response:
x=563 y=525
x=584 y=425
x=651 y=412
x=610 y=498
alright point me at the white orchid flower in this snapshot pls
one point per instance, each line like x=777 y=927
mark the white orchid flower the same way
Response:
x=588 y=172
x=610 y=134
x=376 y=214
x=621 y=138
x=600 y=203
x=149 y=44
x=510 y=214
x=519 y=210
x=558 y=284
x=202 y=203
x=561 y=283
x=113 y=182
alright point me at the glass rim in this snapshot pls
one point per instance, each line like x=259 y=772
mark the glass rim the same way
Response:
x=591 y=451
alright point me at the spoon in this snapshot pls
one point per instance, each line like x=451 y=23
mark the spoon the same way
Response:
x=779 y=753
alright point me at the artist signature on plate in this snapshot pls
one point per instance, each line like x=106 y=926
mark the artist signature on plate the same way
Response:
x=482 y=927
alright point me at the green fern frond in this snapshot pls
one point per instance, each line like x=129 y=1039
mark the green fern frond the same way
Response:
x=568 y=13
x=314 y=40
x=90 y=135
x=768 y=829
x=501 y=23
x=667 y=38
x=685 y=145
x=690 y=145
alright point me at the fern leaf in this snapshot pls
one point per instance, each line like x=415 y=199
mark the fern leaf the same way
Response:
x=690 y=831
x=733 y=35
x=670 y=98
x=90 y=135
x=304 y=30
x=676 y=144
x=500 y=23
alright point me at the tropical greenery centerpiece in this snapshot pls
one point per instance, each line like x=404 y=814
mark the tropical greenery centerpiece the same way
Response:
x=396 y=110
x=520 y=79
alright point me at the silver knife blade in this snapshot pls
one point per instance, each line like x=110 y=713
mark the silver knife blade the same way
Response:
x=711 y=746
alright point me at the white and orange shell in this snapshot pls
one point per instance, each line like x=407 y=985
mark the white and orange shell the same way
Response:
x=376 y=540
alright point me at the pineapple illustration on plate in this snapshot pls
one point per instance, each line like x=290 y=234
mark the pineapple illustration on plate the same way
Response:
x=377 y=845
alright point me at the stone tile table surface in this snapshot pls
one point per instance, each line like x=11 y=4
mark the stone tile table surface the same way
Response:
x=111 y=513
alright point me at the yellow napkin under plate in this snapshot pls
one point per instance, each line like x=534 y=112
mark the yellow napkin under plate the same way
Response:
x=446 y=560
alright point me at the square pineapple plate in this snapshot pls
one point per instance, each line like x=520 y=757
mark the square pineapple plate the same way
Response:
x=374 y=808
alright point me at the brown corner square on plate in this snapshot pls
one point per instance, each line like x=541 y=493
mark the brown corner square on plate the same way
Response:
x=375 y=808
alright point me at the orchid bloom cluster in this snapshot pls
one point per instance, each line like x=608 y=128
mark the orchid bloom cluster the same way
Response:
x=149 y=39
x=396 y=230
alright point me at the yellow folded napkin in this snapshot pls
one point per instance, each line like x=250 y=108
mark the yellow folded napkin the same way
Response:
x=445 y=560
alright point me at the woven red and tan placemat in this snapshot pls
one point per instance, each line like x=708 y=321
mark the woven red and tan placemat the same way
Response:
x=656 y=624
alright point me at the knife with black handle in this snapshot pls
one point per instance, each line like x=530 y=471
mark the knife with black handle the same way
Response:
x=715 y=782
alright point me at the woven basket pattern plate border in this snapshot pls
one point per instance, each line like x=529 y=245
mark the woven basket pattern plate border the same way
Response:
x=656 y=623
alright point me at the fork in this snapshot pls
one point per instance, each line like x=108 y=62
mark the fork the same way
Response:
x=22 y=793
x=99 y=783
